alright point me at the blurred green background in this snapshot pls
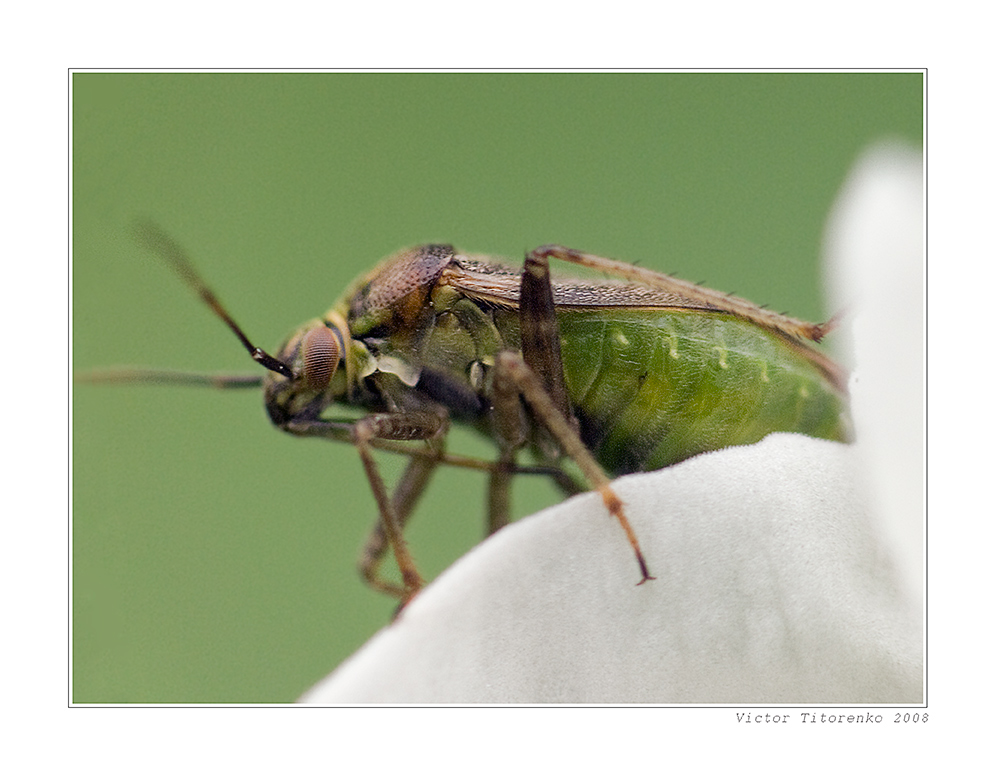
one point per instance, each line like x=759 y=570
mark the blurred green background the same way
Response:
x=214 y=557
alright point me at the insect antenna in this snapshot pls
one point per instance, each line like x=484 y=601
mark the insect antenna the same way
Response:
x=165 y=247
x=169 y=377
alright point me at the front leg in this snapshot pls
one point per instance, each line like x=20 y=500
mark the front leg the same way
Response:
x=393 y=513
x=410 y=486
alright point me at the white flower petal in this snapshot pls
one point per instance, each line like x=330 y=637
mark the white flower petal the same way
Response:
x=876 y=258
x=770 y=587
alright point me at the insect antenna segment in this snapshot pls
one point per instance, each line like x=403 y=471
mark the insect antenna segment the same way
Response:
x=165 y=247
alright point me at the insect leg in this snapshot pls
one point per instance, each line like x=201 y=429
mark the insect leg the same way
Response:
x=510 y=429
x=409 y=488
x=537 y=318
x=365 y=433
x=702 y=295
x=540 y=339
x=539 y=376
x=413 y=482
x=512 y=370
x=385 y=432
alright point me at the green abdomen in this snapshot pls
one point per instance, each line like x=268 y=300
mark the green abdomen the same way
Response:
x=652 y=389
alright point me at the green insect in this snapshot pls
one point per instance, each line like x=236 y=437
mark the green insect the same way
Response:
x=631 y=373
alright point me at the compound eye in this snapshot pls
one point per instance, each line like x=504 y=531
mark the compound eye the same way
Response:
x=321 y=354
